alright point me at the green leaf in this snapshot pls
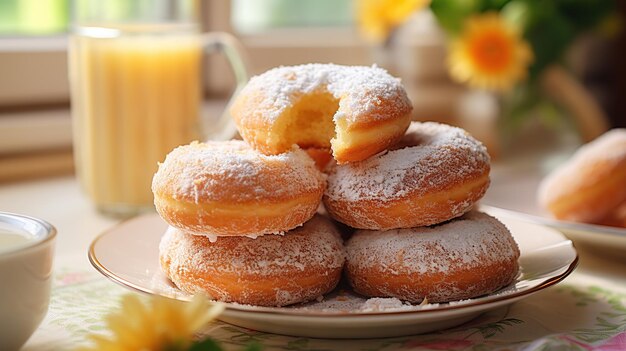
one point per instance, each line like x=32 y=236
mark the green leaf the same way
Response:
x=552 y=26
x=491 y=5
x=585 y=14
x=516 y=13
x=205 y=345
x=452 y=13
x=549 y=33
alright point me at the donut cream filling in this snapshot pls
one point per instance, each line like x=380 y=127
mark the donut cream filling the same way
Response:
x=362 y=138
x=314 y=122
x=309 y=123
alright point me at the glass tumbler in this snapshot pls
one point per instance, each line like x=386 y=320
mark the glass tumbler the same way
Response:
x=135 y=75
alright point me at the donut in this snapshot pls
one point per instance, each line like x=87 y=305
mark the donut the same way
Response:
x=355 y=111
x=321 y=157
x=617 y=217
x=435 y=173
x=227 y=188
x=271 y=270
x=464 y=258
x=591 y=184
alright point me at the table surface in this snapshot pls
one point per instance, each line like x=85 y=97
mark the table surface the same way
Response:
x=585 y=312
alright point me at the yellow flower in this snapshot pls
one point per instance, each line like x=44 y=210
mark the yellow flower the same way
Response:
x=161 y=324
x=489 y=54
x=377 y=18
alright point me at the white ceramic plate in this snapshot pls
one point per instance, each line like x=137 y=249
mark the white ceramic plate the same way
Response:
x=128 y=254
x=513 y=194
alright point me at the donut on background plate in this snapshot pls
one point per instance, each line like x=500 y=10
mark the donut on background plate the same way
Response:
x=591 y=184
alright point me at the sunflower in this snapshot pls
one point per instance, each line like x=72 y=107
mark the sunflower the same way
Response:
x=489 y=53
x=161 y=324
x=377 y=18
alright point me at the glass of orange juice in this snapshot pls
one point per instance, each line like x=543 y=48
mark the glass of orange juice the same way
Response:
x=135 y=75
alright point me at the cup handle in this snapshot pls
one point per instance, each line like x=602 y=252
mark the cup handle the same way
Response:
x=224 y=128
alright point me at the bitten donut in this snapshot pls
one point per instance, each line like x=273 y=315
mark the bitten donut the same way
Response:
x=591 y=184
x=321 y=157
x=356 y=111
x=436 y=172
x=227 y=188
x=467 y=257
x=272 y=270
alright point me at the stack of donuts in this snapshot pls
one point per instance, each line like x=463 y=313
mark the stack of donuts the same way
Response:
x=321 y=138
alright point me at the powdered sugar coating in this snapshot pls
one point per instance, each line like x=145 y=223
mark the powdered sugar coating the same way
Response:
x=430 y=155
x=232 y=171
x=436 y=249
x=590 y=165
x=269 y=270
x=227 y=188
x=391 y=190
x=361 y=90
x=430 y=259
x=348 y=302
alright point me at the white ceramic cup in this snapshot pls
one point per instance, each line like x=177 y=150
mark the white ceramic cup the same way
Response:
x=25 y=278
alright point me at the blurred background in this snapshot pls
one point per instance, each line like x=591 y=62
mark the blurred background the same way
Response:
x=571 y=104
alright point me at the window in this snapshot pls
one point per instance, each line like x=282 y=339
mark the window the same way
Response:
x=33 y=17
x=35 y=125
x=32 y=39
x=253 y=16
x=285 y=32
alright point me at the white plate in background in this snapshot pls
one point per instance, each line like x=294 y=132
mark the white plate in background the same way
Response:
x=513 y=194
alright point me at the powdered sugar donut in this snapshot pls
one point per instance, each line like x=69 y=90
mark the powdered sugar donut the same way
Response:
x=591 y=184
x=436 y=172
x=272 y=270
x=356 y=111
x=227 y=188
x=467 y=257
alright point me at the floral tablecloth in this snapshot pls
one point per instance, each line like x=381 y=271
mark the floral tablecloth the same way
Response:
x=585 y=312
